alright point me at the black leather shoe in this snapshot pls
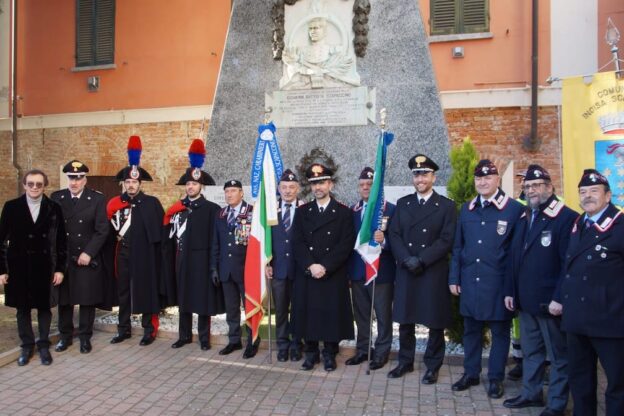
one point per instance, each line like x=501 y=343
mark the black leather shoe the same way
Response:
x=430 y=377
x=520 y=402
x=295 y=354
x=85 y=346
x=329 y=363
x=146 y=340
x=552 y=412
x=230 y=348
x=46 y=358
x=465 y=382
x=282 y=355
x=25 y=356
x=310 y=362
x=357 y=359
x=180 y=343
x=516 y=372
x=204 y=345
x=251 y=349
x=119 y=338
x=400 y=370
x=62 y=345
x=377 y=363
x=496 y=390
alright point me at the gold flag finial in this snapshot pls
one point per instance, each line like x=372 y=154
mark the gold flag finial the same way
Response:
x=382 y=114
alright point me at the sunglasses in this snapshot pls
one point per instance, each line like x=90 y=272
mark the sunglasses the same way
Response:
x=35 y=185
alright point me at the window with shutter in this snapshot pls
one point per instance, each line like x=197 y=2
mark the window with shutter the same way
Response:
x=95 y=32
x=459 y=16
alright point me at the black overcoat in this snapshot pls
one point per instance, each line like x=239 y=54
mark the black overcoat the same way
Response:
x=31 y=253
x=87 y=229
x=426 y=231
x=323 y=310
x=187 y=262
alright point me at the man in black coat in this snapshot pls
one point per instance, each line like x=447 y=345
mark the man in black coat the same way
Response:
x=421 y=237
x=540 y=241
x=87 y=228
x=362 y=293
x=281 y=272
x=227 y=263
x=137 y=222
x=323 y=240
x=592 y=295
x=33 y=254
x=189 y=227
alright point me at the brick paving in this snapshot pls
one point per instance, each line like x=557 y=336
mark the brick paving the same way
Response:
x=158 y=380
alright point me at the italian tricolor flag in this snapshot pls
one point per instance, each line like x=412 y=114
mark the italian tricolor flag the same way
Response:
x=259 y=249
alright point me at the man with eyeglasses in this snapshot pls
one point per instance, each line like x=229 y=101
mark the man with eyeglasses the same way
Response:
x=33 y=254
x=538 y=251
x=87 y=227
x=592 y=295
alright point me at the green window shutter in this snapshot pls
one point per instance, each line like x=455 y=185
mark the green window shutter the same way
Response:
x=444 y=14
x=84 y=32
x=475 y=16
x=95 y=32
x=105 y=32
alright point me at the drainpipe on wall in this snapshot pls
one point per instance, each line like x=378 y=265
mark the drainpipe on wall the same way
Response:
x=14 y=97
x=532 y=142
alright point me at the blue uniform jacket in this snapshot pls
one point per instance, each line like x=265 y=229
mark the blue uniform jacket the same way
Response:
x=592 y=291
x=387 y=265
x=283 y=261
x=480 y=258
x=538 y=254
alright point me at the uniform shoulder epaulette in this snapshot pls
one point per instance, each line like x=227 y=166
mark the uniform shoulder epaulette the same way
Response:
x=607 y=222
x=96 y=191
x=472 y=204
x=554 y=208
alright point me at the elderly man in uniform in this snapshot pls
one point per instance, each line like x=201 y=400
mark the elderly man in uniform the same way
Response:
x=478 y=269
x=421 y=235
x=189 y=225
x=592 y=295
x=137 y=222
x=87 y=230
x=538 y=251
x=33 y=253
x=323 y=240
x=362 y=293
x=281 y=272
x=228 y=252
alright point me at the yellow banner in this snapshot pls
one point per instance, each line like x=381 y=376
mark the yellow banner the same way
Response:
x=593 y=132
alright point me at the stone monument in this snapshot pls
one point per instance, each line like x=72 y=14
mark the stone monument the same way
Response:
x=322 y=68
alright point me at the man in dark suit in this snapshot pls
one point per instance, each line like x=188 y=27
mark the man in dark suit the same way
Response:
x=478 y=268
x=33 y=253
x=421 y=236
x=137 y=222
x=592 y=295
x=189 y=225
x=362 y=293
x=87 y=228
x=227 y=262
x=323 y=240
x=539 y=245
x=281 y=272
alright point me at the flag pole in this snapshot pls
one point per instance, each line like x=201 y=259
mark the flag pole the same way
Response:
x=267 y=118
x=382 y=124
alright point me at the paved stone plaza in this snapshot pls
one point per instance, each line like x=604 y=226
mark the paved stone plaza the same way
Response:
x=158 y=380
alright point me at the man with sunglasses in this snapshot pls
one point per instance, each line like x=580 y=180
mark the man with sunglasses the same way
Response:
x=540 y=240
x=32 y=260
x=86 y=226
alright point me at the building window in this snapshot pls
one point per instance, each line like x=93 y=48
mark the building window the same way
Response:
x=95 y=32
x=459 y=16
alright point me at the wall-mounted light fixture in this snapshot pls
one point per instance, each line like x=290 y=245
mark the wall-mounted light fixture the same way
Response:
x=457 y=51
x=93 y=84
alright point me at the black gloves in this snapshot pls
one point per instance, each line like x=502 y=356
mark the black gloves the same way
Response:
x=414 y=264
x=214 y=275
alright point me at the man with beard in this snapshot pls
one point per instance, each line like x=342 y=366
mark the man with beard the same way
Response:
x=421 y=235
x=137 y=222
x=538 y=252
x=362 y=293
x=33 y=255
x=189 y=226
x=592 y=295
x=228 y=253
x=478 y=268
x=87 y=228
x=281 y=272
x=323 y=240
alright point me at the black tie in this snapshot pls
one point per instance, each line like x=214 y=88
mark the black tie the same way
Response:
x=75 y=199
x=286 y=216
x=321 y=209
x=588 y=224
x=534 y=214
x=486 y=204
x=422 y=201
x=231 y=217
